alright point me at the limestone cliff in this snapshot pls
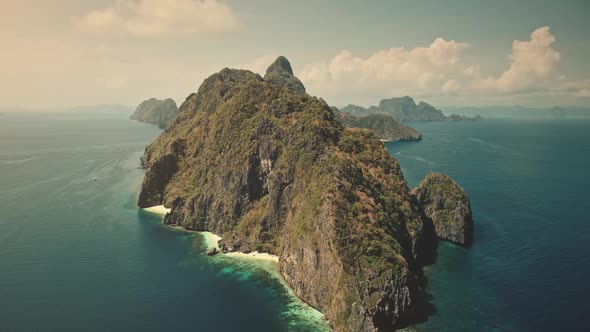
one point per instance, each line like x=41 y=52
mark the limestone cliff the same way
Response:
x=384 y=126
x=160 y=112
x=269 y=168
x=447 y=206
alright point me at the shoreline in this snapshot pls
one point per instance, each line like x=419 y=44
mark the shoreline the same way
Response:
x=211 y=240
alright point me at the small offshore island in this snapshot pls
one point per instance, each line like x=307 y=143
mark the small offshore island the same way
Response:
x=270 y=169
x=155 y=111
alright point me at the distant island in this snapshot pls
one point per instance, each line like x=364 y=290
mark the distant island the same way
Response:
x=160 y=112
x=522 y=112
x=404 y=109
x=384 y=126
x=271 y=169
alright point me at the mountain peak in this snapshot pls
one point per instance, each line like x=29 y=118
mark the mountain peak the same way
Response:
x=281 y=64
x=280 y=72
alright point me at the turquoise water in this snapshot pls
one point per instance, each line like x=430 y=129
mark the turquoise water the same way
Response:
x=528 y=268
x=77 y=255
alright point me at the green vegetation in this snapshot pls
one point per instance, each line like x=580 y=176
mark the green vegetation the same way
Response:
x=384 y=126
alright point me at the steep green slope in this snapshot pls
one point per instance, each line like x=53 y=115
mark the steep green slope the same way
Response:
x=384 y=126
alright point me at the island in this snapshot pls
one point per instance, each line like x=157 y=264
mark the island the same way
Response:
x=271 y=169
x=404 y=109
x=446 y=206
x=384 y=126
x=155 y=111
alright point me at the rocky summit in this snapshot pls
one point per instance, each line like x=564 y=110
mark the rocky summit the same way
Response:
x=446 y=205
x=160 y=112
x=280 y=72
x=270 y=168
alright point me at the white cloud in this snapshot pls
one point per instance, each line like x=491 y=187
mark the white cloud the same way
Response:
x=533 y=62
x=451 y=86
x=439 y=70
x=154 y=18
x=394 y=70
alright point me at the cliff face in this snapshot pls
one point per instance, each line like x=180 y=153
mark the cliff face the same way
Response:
x=404 y=109
x=160 y=112
x=269 y=168
x=447 y=206
x=384 y=126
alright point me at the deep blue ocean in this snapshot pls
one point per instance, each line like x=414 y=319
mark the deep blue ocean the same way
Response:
x=529 y=184
x=77 y=255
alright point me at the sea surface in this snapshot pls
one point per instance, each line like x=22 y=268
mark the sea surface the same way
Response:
x=529 y=184
x=77 y=255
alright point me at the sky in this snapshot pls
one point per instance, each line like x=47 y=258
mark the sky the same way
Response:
x=65 y=53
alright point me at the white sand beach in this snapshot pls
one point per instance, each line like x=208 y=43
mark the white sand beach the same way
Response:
x=211 y=240
x=255 y=255
x=158 y=209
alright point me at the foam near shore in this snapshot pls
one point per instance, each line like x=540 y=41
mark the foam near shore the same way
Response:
x=210 y=240
x=157 y=209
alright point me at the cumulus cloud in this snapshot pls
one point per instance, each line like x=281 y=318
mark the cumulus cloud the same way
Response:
x=395 y=70
x=153 y=18
x=533 y=61
x=439 y=69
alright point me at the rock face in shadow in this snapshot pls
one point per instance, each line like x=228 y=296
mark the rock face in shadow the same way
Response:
x=270 y=168
x=446 y=205
x=160 y=112
x=384 y=126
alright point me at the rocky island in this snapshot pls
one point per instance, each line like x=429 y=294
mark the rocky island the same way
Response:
x=383 y=126
x=160 y=112
x=404 y=109
x=446 y=206
x=271 y=169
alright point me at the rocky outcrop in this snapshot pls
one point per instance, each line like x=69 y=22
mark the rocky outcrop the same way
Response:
x=160 y=112
x=446 y=205
x=384 y=126
x=271 y=169
x=355 y=110
x=404 y=109
x=280 y=72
